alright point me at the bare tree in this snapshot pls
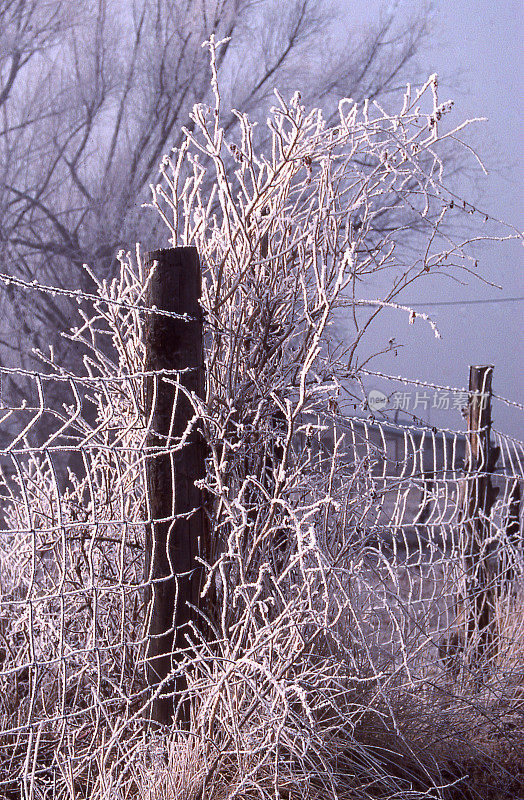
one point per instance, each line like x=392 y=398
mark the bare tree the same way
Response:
x=93 y=93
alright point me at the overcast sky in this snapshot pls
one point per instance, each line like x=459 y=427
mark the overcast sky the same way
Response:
x=476 y=50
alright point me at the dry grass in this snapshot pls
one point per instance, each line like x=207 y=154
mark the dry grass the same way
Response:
x=431 y=743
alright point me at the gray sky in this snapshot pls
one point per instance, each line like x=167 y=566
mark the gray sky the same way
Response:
x=476 y=50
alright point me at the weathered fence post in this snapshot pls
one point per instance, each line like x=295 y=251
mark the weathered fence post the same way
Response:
x=176 y=516
x=479 y=497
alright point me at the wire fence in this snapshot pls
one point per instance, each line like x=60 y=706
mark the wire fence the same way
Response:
x=73 y=607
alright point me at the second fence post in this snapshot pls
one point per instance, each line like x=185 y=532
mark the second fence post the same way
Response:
x=478 y=501
x=175 y=531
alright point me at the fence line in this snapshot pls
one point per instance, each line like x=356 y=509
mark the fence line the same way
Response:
x=385 y=540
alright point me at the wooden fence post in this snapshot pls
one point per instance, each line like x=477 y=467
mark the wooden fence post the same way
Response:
x=479 y=497
x=175 y=531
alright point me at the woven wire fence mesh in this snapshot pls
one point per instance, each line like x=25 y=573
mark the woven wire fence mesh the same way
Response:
x=72 y=572
x=73 y=616
x=406 y=497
